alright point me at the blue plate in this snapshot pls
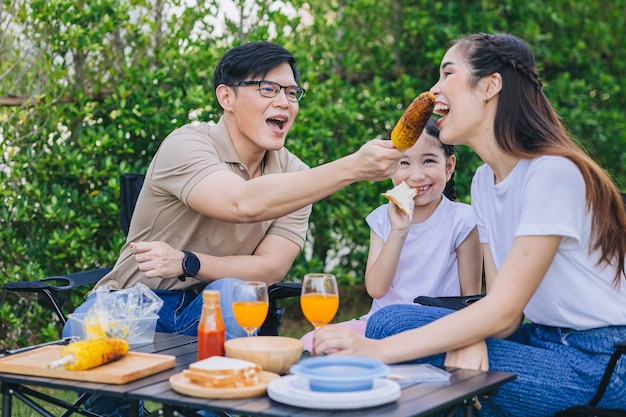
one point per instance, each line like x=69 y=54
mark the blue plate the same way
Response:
x=340 y=373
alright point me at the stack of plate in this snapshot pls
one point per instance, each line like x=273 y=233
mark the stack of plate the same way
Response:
x=335 y=382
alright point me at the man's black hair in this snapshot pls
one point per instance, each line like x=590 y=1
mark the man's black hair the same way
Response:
x=250 y=61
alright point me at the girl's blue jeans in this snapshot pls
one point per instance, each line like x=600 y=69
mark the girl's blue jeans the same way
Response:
x=181 y=310
x=556 y=367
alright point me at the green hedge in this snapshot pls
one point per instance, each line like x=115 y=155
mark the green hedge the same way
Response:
x=118 y=77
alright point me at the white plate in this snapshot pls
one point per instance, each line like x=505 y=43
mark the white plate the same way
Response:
x=294 y=390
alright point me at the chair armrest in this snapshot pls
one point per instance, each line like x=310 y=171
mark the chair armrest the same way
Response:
x=51 y=290
x=277 y=292
x=620 y=349
x=59 y=283
x=282 y=290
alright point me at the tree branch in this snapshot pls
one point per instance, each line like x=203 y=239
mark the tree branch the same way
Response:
x=14 y=101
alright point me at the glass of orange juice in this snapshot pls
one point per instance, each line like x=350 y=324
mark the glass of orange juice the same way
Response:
x=319 y=300
x=250 y=305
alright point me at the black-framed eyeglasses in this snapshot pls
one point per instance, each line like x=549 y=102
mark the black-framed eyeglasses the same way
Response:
x=270 y=89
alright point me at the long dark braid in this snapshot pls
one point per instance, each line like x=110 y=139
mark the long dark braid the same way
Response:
x=432 y=130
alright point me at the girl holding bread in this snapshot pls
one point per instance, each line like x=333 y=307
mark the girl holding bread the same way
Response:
x=552 y=225
x=433 y=248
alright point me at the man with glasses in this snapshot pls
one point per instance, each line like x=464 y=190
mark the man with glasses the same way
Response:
x=228 y=202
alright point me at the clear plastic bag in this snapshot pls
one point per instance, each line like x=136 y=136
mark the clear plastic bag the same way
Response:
x=122 y=313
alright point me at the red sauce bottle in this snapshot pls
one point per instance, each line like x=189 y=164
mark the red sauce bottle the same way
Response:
x=211 y=332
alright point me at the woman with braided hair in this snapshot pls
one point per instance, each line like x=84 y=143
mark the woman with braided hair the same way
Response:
x=552 y=225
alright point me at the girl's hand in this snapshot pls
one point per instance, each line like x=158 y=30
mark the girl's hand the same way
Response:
x=158 y=259
x=400 y=222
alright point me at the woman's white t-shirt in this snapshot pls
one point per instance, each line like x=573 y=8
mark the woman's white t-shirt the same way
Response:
x=546 y=196
x=428 y=264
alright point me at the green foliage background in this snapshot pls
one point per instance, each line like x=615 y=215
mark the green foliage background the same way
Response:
x=107 y=80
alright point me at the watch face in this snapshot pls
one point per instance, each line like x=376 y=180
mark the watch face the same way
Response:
x=191 y=264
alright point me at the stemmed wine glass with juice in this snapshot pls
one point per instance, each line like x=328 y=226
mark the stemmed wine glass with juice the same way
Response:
x=250 y=305
x=319 y=299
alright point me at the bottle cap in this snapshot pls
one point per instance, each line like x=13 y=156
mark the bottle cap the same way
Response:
x=209 y=296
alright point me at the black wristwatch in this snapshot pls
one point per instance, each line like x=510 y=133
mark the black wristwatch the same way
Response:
x=191 y=265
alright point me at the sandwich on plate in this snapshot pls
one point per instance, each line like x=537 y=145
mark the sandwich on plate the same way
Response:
x=223 y=372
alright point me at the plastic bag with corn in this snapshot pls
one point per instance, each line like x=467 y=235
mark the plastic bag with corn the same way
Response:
x=114 y=313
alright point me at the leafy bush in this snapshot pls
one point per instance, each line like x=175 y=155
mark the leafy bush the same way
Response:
x=120 y=75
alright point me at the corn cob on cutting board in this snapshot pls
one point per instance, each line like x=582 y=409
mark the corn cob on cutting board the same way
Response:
x=132 y=366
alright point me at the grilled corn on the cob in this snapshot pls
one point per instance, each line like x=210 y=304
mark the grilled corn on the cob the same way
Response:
x=410 y=125
x=87 y=354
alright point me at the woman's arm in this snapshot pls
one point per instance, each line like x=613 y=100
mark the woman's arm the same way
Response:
x=470 y=260
x=490 y=275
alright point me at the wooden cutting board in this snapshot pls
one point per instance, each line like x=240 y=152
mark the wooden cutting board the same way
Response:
x=132 y=366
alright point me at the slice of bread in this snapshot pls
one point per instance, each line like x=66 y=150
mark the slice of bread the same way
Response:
x=222 y=381
x=402 y=196
x=216 y=365
x=223 y=372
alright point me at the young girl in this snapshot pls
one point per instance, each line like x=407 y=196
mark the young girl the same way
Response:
x=552 y=225
x=434 y=253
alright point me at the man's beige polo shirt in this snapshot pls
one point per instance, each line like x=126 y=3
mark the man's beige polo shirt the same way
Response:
x=185 y=157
